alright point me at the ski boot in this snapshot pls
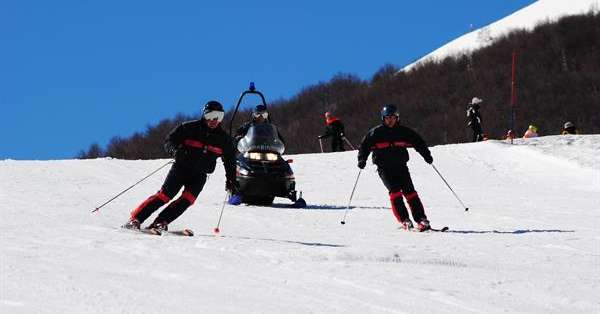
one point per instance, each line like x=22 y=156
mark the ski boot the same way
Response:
x=234 y=199
x=158 y=227
x=132 y=224
x=423 y=225
x=407 y=224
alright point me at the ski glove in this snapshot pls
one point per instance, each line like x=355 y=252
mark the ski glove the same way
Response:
x=362 y=164
x=174 y=150
x=179 y=152
x=428 y=159
x=170 y=149
x=320 y=136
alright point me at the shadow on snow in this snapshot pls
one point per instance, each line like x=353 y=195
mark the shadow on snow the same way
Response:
x=325 y=207
x=274 y=240
x=510 y=232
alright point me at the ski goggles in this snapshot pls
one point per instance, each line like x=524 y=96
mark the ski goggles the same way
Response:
x=264 y=114
x=214 y=115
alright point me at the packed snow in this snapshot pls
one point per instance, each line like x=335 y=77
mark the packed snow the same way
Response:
x=530 y=242
x=527 y=18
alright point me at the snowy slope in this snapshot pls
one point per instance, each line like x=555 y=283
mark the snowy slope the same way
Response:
x=529 y=244
x=526 y=18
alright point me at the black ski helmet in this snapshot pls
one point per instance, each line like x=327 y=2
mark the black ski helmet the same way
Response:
x=259 y=109
x=389 y=110
x=213 y=105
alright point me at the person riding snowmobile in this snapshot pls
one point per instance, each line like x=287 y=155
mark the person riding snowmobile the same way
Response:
x=259 y=115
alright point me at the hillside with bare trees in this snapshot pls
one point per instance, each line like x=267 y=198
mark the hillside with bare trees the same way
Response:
x=557 y=79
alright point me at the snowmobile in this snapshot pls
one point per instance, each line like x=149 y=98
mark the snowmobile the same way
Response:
x=262 y=173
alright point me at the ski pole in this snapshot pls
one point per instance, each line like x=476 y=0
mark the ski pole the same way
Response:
x=321 y=144
x=343 y=222
x=216 y=230
x=348 y=141
x=448 y=185
x=127 y=189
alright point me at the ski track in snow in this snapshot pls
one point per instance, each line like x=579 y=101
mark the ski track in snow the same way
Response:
x=529 y=242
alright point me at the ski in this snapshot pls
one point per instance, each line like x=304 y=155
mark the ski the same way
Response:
x=182 y=232
x=152 y=231
x=443 y=229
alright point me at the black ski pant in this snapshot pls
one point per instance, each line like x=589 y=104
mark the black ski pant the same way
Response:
x=400 y=186
x=477 y=132
x=337 y=144
x=191 y=181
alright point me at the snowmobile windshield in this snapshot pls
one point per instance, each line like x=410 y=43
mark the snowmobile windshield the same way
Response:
x=261 y=138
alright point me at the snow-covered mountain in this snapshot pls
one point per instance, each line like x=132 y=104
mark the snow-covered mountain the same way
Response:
x=526 y=18
x=529 y=243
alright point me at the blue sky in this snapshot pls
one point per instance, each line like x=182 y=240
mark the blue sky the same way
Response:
x=73 y=73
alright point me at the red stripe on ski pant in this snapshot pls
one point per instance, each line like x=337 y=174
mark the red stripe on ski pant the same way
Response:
x=393 y=197
x=158 y=196
x=188 y=196
x=410 y=196
x=416 y=206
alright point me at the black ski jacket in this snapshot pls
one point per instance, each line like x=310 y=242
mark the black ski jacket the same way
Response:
x=389 y=146
x=473 y=116
x=197 y=148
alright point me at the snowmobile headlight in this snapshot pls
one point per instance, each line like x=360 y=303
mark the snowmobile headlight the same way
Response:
x=254 y=156
x=271 y=156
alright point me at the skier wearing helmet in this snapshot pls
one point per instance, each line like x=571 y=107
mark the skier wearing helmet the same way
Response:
x=474 y=119
x=259 y=115
x=195 y=145
x=388 y=142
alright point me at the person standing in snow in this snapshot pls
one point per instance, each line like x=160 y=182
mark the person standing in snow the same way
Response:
x=388 y=142
x=531 y=132
x=334 y=128
x=569 y=128
x=195 y=145
x=474 y=119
